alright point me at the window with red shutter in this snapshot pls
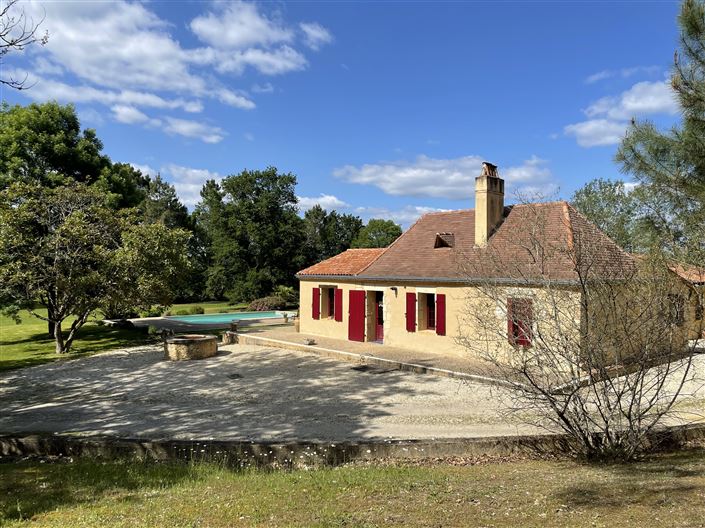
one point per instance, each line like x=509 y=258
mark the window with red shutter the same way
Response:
x=520 y=321
x=338 y=304
x=316 y=303
x=411 y=312
x=441 y=314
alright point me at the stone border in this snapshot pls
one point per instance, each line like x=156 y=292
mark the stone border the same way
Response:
x=365 y=359
x=307 y=454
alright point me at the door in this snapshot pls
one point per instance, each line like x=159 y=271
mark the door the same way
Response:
x=356 y=315
x=379 y=316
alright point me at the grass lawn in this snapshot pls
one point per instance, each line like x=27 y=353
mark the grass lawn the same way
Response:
x=28 y=344
x=668 y=490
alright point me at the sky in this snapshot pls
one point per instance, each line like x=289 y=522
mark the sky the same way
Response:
x=381 y=109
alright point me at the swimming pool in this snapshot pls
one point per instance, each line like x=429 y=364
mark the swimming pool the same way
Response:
x=225 y=318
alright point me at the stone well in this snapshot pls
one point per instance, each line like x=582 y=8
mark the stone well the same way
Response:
x=190 y=346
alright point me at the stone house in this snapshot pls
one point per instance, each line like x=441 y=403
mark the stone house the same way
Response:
x=413 y=293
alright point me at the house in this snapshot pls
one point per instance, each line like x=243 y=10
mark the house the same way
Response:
x=413 y=294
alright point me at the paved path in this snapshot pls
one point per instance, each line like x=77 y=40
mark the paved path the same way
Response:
x=467 y=365
x=244 y=393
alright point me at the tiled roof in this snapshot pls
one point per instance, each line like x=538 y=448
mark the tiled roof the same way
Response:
x=689 y=272
x=511 y=252
x=350 y=262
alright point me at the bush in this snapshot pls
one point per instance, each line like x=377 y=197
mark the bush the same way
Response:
x=266 y=304
x=152 y=331
x=182 y=312
x=195 y=310
x=152 y=311
x=287 y=293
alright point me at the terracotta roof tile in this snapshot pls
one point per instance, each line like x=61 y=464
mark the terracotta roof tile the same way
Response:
x=688 y=272
x=508 y=253
x=350 y=262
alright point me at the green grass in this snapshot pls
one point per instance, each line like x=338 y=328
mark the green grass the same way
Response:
x=210 y=307
x=668 y=490
x=28 y=344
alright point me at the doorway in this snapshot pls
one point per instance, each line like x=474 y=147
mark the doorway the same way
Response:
x=379 y=316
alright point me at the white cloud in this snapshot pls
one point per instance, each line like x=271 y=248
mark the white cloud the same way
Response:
x=120 y=53
x=438 y=178
x=145 y=169
x=327 y=201
x=641 y=99
x=249 y=136
x=597 y=132
x=263 y=88
x=194 y=129
x=405 y=216
x=608 y=116
x=623 y=73
x=130 y=114
x=315 y=35
x=239 y=25
x=270 y=62
x=188 y=181
x=47 y=89
x=233 y=99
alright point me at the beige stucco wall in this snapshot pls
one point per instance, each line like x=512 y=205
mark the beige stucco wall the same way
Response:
x=458 y=298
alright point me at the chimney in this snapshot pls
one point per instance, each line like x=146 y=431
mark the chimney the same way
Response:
x=489 y=203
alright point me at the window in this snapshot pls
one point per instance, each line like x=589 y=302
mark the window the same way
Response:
x=699 y=307
x=328 y=301
x=427 y=311
x=520 y=321
x=331 y=303
x=676 y=309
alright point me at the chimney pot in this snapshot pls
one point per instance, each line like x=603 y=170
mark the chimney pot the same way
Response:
x=489 y=203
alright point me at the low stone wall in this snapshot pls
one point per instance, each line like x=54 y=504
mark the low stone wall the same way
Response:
x=307 y=454
x=364 y=359
x=185 y=347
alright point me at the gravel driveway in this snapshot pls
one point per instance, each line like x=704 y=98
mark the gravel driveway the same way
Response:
x=244 y=393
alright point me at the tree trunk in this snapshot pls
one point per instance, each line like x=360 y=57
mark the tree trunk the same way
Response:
x=59 y=338
x=50 y=325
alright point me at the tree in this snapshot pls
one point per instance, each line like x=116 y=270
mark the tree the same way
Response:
x=69 y=250
x=377 y=234
x=328 y=234
x=17 y=31
x=44 y=144
x=615 y=210
x=672 y=164
x=590 y=341
x=254 y=233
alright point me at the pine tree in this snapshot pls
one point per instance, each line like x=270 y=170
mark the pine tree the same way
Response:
x=671 y=164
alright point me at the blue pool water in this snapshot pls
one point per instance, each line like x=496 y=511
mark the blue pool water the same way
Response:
x=224 y=317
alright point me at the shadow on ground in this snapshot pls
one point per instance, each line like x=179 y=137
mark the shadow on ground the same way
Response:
x=620 y=485
x=27 y=490
x=250 y=393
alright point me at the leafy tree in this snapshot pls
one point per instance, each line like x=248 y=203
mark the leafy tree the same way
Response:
x=671 y=164
x=66 y=248
x=328 y=234
x=615 y=210
x=162 y=204
x=377 y=233
x=43 y=144
x=254 y=233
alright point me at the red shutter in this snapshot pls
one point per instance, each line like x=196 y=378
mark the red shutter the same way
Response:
x=316 y=308
x=441 y=314
x=526 y=324
x=356 y=318
x=338 y=304
x=411 y=312
x=510 y=321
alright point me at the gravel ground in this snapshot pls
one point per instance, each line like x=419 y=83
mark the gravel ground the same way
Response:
x=253 y=393
x=246 y=393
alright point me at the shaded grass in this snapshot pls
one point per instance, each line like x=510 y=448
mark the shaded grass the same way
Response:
x=668 y=490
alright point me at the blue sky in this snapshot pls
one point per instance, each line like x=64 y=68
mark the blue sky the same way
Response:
x=382 y=109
